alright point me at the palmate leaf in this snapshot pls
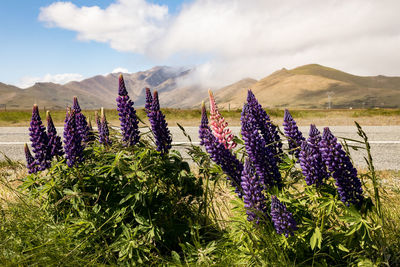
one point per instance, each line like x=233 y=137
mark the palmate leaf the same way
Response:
x=316 y=239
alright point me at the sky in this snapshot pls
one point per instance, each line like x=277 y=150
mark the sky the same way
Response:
x=224 y=40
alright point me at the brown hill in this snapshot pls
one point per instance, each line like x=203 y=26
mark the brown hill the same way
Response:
x=96 y=91
x=310 y=86
x=7 y=92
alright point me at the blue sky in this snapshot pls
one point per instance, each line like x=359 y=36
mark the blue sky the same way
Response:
x=29 y=48
x=227 y=40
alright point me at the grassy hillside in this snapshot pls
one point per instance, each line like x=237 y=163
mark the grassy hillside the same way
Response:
x=310 y=86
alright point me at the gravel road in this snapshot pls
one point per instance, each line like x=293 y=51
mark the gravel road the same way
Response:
x=384 y=140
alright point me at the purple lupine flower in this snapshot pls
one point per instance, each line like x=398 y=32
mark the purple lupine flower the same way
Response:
x=54 y=145
x=127 y=115
x=104 y=133
x=314 y=136
x=39 y=140
x=222 y=156
x=283 y=220
x=91 y=136
x=98 y=123
x=263 y=123
x=149 y=100
x=80 y=120
x=159 y=126
x=261 y=155
x=30 y=161
x=342 y=170
x=311 y=162
x=295 y=137
x=97 y=119
x=253 y=196
x=72 y=140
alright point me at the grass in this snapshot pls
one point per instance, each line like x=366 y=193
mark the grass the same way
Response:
x=192 y=117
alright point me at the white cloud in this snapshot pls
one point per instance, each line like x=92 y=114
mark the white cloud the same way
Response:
x=120 y=70
x=64 y=78
x=127 y=25
x=246 y=39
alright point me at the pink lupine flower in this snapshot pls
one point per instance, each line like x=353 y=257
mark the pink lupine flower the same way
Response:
x=219 y=125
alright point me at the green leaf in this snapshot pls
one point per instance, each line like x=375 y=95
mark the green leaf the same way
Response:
x=175 y=257
x=316 y=239
x=343 y=248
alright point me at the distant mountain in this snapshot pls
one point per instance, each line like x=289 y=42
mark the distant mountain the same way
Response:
x=303 y=87
x=309 y=87
x=96 y=91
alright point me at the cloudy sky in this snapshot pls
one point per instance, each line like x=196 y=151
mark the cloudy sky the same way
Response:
x=226 y=40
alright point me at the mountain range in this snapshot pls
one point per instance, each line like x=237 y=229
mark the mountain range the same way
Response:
x=308 y=86
x=316 y=86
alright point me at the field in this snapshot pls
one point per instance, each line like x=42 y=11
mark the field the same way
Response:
x=191 y=117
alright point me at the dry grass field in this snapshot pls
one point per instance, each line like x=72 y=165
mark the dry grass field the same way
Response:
x=377 y=117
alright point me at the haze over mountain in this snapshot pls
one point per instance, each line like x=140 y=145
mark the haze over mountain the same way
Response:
x=303 y=87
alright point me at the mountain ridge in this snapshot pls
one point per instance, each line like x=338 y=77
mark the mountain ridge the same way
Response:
x=317 y=86
x=307 y=86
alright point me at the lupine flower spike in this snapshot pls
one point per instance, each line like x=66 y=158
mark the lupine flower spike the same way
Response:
x=30 y=161
x=263 y=123
x=222 y=156
x=159 y=126
x=260 y=155
x=253 y=197
x=127 y=115
x=72 y=140
x=97 y=119
x=54 y=145
x=80 y=120
x=219 y=125
x=342 y=170
x=104 y=133
x=149 y=100
x=311 y=162
x=295 y=137
x=283 y=220
x=91 y=136
x=39 y=140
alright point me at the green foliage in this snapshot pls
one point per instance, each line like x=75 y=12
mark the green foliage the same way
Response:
x=134 y=206
x=134 y=201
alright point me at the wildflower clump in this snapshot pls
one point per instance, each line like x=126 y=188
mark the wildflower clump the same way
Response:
x=219 y=125
x=39 y=140
x=342 y=170
x=253 y=196
x=310 y=158
x=55 y=145
x=30 y=161
x=72 y=140
x=80 y=121
x=219 y=154
x=149 y=101
x=283 y=220
x=295 y=137
x=261 y=156
x=264 y=125
x=159 y=126
x=104 y=132
x=127 y=115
